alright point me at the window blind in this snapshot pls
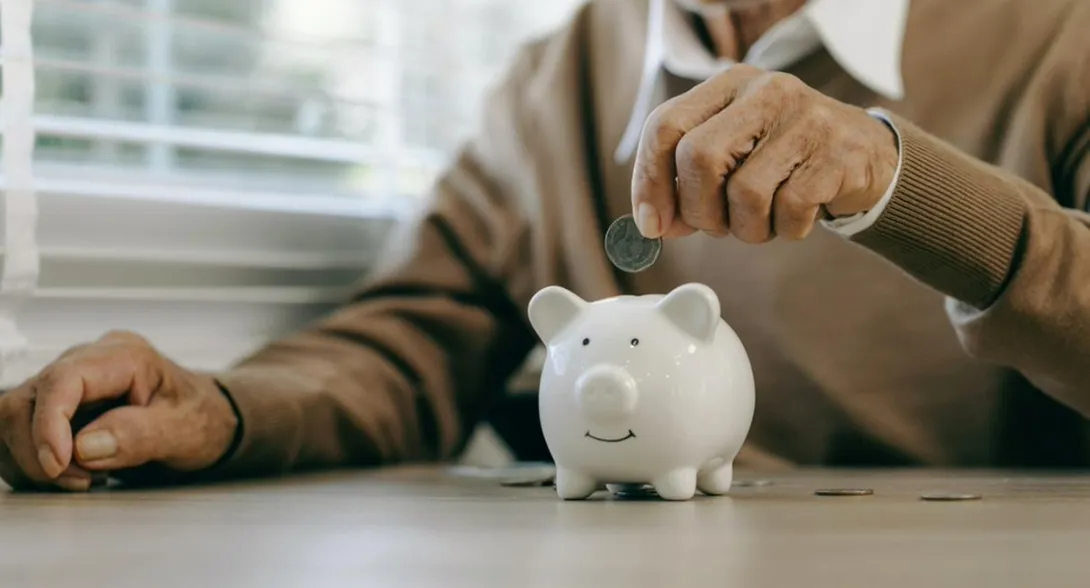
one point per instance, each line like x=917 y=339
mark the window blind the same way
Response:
x=212 y=174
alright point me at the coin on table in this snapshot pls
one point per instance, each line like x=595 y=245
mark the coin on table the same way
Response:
x=948 y=496
x=517 y=470
x=528 y=481
x=632 y=491
x=752 y=483
x=628 y=249
x=844 y=492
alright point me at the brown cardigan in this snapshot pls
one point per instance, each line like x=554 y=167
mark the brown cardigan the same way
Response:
x=954 y=331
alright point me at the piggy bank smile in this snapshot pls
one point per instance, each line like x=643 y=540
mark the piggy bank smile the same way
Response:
x=641 y=390
x=629 y=435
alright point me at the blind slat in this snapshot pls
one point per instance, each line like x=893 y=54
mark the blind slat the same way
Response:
x=128 y=13
x=224 y=197
x=261 y=295
x=214 y=139
x=220 y=84
x=317 y=262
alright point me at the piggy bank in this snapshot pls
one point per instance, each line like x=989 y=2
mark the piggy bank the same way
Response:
x=653 y=389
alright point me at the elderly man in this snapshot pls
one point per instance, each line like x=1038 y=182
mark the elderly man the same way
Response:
x=887 y=196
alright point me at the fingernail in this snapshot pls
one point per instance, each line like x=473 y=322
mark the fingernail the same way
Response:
x=96 y=445
x=74 y=483
x=647 y=220
x=49 y=462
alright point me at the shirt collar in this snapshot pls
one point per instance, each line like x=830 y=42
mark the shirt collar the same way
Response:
x=863 y=36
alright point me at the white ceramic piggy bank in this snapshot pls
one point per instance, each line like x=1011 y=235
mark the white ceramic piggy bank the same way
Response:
x=642 y=390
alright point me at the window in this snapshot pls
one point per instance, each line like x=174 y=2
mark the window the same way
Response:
x=212 y=174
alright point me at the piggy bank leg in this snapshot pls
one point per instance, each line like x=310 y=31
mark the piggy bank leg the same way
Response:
x=679 y=484
x=572 y=485
x=716 y=480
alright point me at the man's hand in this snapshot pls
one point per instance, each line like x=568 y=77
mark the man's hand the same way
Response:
x=757 y=155
x=162 y=415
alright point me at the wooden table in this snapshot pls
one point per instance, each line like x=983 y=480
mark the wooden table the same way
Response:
x=424 y=527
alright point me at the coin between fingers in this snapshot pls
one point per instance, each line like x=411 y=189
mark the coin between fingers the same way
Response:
x=628 y=249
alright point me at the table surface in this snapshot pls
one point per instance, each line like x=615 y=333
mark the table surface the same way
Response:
x=428 y=527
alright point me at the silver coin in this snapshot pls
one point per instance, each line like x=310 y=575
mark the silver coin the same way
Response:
x=629 y=250
x=528 y=482
x=632 y=491
x=844 y=492
x=751 y=483
x=948 y=496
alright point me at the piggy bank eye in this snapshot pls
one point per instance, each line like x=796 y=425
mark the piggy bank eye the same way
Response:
x=586 y=342
x=634 y=342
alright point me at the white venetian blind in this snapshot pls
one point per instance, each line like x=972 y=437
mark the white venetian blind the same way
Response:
x=212 y=173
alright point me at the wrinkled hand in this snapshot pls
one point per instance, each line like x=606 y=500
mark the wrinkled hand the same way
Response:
x=757 y=155
x=161 y=414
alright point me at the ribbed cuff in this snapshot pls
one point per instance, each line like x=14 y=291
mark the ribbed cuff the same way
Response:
x=952 y=222
x=266 y=404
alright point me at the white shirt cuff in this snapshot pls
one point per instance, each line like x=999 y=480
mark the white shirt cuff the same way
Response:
x=850 y=225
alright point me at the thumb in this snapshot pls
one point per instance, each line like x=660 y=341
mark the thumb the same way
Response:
x=125 y=437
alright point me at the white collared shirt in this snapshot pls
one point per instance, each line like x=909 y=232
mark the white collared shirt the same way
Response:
x=863 y=36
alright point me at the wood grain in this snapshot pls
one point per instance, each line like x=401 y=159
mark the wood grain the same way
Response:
x=424 y=527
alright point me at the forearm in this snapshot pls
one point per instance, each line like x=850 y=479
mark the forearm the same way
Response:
x=403 y=371
x=314 y=402
x=401 y=374
x=1008 y=256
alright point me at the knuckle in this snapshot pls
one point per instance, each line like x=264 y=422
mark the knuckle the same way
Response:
x=138 y=351
x=124 y=336
x=663 y=123
x=853 y=183
x=743 y=68
x=783 y=83
x=791 y=199
x=51 y=376
x=73 y=351
x=693 y=153
x=820 y=118
x=143 y=354
x=745 y=195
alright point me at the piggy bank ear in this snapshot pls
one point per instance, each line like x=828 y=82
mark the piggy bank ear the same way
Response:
x=552 y=309
x=693 y=308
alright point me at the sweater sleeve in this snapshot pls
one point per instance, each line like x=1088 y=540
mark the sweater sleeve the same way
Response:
x=1012 y=261
x=405 y=369
x=1012 y=257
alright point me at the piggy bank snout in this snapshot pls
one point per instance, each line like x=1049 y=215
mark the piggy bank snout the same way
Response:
x=606 y=393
